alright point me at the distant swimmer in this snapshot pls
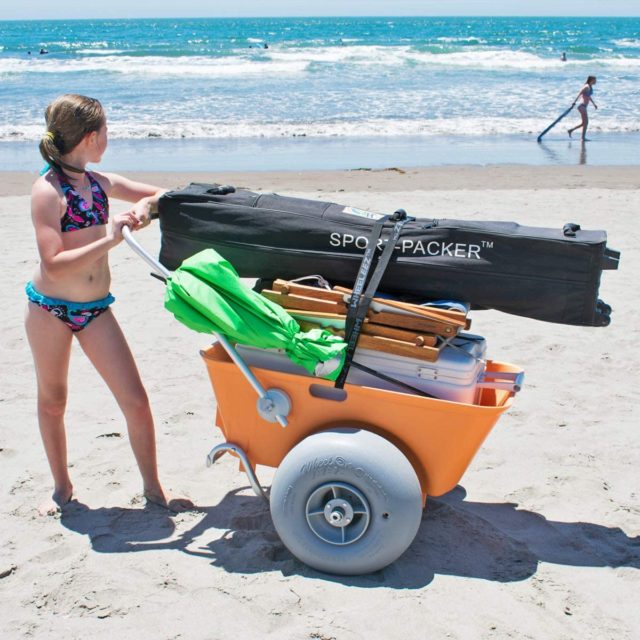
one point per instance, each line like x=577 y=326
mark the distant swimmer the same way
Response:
x=563 y=57
x=585 y=97
x=43 y=51
x=266 y=46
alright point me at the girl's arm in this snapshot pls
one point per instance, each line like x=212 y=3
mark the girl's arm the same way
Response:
x=586 y=86
x=58 y=262
x=592 y=102
x=144 y=196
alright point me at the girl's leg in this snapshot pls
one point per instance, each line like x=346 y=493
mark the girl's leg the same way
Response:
x=106 y=347
x=585 y=122
x=50 y=341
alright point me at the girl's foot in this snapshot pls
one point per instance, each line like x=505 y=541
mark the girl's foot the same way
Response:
x=162 y=499
x=59 y=499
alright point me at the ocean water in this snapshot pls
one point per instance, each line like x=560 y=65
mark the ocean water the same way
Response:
x=338 y=81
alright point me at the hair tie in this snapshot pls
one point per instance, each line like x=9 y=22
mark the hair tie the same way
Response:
x=50 y=135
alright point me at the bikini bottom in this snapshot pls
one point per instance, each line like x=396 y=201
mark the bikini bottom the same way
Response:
x=76 y=315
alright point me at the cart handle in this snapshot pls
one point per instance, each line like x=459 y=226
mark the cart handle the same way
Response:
x=144 y=254
x=270 y=406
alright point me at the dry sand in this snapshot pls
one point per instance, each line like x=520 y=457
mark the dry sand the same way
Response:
x=541 y=540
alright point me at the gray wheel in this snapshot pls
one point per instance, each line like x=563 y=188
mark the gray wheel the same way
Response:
x=346 y=501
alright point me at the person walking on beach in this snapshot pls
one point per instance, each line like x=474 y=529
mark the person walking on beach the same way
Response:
x=69 y=294
x=585 y=96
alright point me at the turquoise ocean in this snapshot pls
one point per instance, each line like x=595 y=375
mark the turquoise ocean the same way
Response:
x=292 y=93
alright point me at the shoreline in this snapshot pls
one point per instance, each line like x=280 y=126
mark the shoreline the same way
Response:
x=387 y=180
x=308 y=153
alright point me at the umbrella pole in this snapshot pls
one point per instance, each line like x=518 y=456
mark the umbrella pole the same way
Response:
x=274 y=405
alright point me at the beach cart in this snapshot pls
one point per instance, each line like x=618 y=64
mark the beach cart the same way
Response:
x=354 y=466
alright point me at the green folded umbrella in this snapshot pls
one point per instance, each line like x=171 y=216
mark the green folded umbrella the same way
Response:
x=206 y=294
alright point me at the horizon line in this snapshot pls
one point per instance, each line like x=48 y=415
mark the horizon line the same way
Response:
x=285 y=17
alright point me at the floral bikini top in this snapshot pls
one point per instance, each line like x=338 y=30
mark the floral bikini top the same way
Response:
x=79 y=215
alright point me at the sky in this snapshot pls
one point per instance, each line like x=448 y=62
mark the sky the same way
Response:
x=69 y=9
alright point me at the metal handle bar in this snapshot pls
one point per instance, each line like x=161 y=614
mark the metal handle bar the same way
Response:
x=264 y=396
x=147 y=257
x=508 y=380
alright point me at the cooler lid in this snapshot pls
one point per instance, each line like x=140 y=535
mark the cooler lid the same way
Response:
x=453 y=365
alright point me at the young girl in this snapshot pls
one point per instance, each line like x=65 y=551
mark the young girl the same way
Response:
x=585 y=97
x=69 y=294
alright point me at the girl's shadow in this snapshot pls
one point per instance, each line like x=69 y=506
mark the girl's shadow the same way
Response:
x=470 y=539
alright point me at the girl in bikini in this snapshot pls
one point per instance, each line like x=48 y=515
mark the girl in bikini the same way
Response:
x=585 y=97
x=69 y=293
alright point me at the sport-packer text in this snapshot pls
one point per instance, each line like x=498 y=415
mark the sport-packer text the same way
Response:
x=411 y=247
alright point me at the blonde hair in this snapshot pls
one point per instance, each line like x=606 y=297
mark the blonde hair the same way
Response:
x=69 y=119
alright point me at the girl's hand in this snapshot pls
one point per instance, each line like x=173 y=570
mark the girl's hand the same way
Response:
x=142 y=212
x=120 y=220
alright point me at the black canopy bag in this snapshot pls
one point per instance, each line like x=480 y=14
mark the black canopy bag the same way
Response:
x=535 y=272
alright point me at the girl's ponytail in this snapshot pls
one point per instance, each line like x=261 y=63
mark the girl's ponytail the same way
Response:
x=48 y=149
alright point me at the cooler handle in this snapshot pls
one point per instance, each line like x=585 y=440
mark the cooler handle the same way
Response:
x=511 y=381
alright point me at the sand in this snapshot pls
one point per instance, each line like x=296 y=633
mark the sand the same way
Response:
x=540 y=540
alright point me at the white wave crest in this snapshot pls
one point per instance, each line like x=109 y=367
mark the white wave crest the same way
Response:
x=154 y=65
x=99 y=52
x=66 y=44
x=461 y=39
x=520 y=60
x=374 y=128
x=295 y=61
x=470 y=58
x=631 y=43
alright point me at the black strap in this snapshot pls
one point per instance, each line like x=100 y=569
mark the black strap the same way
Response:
x=386 y=378
x=359 y=303
x=158 y=277
x=363 y=273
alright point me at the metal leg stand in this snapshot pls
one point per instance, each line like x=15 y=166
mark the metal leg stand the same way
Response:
x=221 y=449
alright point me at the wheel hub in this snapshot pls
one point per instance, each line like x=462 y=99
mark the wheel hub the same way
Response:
x=338 y=513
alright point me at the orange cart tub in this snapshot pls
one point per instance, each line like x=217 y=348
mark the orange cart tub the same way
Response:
x=439 y=438
x=354 y=466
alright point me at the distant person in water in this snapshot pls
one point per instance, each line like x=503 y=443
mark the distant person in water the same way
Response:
x=43 y=51
x=585 y=97
x=563 y=57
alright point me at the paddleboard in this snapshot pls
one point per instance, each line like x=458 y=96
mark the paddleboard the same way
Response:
x=554 y=123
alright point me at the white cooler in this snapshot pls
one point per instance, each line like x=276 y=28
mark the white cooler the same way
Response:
x=454 y=376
